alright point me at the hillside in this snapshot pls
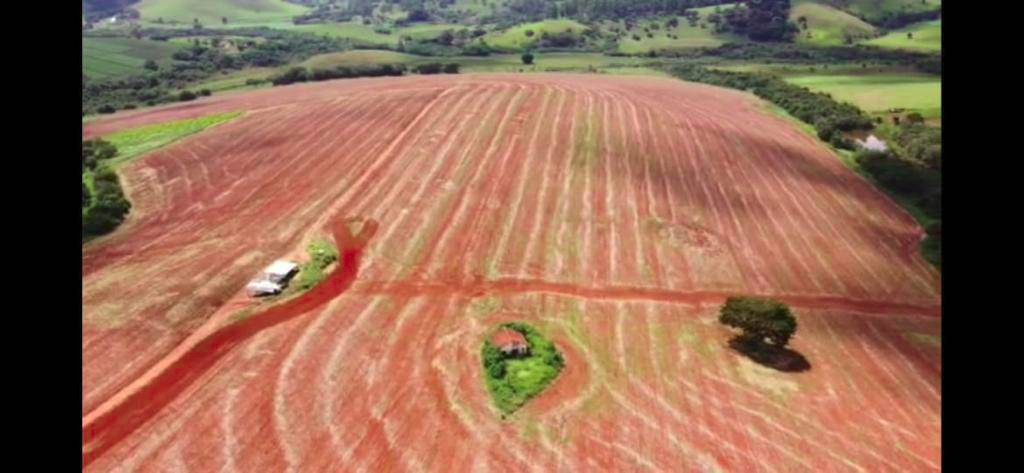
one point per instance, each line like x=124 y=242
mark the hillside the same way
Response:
x=926 y=36
x=827 y=25
x=875 y=10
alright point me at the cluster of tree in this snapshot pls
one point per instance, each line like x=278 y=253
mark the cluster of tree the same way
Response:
x=105 y=207
x=766 y=327
x=462 y=42
x=762 y=321
x=301 y=74
x=533 y=10
x=828 y=116
x=915 y=182
x=510 y=393
x=764 y=20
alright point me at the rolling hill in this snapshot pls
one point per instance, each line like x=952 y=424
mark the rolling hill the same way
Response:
x=827 y=25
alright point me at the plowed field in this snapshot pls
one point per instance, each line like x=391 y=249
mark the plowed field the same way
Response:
x=614 y=213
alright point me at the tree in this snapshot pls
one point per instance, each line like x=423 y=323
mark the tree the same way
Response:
x=151 y=65
x=529 y=33
x=910 y=35
x=224 y=20
x=761 y=320
x=527 y=58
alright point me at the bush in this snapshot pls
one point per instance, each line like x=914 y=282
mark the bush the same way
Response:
x=106 y=109
x=205 y=92
x=293 y=75
x=186 y=95
x=451 y=68
x=527 y=58
x=109 y=206
x=429 y=68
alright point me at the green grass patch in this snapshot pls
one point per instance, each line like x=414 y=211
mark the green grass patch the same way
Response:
x=321 y=255
x=512 y=381
x=878 y=92
x=926 y=36
x=117 y=57
x=138 y=141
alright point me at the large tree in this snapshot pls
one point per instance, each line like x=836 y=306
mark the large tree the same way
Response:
x=761 y=320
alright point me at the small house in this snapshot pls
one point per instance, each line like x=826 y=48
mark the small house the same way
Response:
x=280 y=271
x=510 y=342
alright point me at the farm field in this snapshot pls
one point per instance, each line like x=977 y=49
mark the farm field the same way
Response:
x=112 y=57
x=210 y=12
x=927 y=36
x=615 y=226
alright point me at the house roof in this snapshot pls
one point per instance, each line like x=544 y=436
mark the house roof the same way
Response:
x=280 y=268
x=507 y=337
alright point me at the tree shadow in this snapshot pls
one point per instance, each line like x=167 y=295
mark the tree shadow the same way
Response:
x=777 y=358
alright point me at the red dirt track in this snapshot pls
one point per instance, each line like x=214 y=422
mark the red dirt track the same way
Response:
x=614 y=213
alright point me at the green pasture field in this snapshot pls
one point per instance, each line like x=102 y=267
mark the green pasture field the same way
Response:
x=114 y=57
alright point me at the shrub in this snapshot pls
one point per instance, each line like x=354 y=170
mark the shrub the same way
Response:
x=205 y=92
x=527 y=58
x=429 y=68
x=451 y=68
x=186 y=95
x=107 y=108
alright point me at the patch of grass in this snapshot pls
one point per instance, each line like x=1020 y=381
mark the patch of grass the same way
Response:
x=512 y=381
x=927 y=36
x=138 y=141
x=321 y=254
x=116 y=57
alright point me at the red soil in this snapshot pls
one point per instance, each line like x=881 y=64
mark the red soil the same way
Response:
x=613 y=212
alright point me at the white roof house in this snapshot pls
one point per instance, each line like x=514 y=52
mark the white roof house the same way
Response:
x=280 y=270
